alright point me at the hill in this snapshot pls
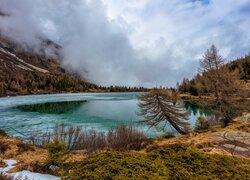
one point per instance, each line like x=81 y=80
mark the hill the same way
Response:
x=28 y=72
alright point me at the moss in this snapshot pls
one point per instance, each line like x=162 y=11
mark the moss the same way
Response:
x=118 y=165
x=169 y=162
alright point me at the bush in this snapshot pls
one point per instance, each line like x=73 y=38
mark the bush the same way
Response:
x=3 y=133
x=202 y=124
x=170 y=162
x=22 y=147
x=121 y=138
x=3 y=147
x=57 y=152
x=125 y=138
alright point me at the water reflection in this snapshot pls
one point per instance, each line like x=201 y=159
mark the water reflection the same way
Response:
x=52 y=107
x=100 y=112
x=195 y=109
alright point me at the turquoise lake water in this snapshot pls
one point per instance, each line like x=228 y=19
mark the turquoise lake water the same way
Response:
x=23 y=115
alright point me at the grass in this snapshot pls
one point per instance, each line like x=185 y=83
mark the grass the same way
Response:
x=169 y=162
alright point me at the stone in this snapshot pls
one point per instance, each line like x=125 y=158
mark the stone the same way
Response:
x=53 y=168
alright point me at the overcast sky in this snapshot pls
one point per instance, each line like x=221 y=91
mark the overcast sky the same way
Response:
x=131 y=42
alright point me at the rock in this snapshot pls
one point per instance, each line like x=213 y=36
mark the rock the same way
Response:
x=53 y=168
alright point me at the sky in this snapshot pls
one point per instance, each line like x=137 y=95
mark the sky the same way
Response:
x=131 y=42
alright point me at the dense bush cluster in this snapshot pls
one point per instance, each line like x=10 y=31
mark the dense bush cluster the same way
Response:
x=169 y=162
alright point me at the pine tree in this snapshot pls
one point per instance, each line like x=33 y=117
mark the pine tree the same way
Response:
x=160 y=107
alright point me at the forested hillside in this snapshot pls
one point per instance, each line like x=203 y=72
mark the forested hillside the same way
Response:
x=239 y=69
x=26 y=72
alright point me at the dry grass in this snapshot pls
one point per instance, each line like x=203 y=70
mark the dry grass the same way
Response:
x=24 y=154
x=123 y=138
x=29 y=157
x=210 y=141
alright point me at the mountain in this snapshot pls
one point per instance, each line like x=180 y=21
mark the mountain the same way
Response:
x=25 y=71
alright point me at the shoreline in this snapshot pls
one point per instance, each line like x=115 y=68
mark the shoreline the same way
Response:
x=87 y=92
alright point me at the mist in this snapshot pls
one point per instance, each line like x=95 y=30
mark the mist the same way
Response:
x=146 y=43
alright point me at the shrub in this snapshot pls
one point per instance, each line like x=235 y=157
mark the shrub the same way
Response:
x=202 y=124
x=3 y=133
x=125 y=138
x=22 y=147
x=57 y=152
x=3 y=147
x=170 y=162
x=121 y=138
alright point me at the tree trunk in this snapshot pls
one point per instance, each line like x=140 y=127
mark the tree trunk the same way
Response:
x=169 y=119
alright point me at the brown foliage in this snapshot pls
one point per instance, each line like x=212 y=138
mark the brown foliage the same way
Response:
x=3 y=146
x=120 y=138
x=220 y=83
x=161 y=106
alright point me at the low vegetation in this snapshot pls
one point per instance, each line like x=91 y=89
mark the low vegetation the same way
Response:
x=3 y=133
x=57 y=152
x=202 y=124
x=168 y=162
x=174 y=158
x=121 y=138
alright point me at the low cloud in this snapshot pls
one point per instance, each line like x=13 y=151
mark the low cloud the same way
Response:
x=147 y=43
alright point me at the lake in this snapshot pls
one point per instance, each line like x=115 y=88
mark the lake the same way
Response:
x=21 y=116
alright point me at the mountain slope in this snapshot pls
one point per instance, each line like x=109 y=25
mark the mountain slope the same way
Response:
x=24 y=72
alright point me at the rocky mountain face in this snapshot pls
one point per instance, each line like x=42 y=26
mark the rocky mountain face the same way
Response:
x=24 y=71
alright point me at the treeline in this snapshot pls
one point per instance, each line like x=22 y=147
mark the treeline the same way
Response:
x=239 y=69
x=242 y=67
x=123 y=89
x=40 y=83
x=36 y=82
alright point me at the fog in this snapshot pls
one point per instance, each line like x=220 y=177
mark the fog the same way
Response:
x=135 y=43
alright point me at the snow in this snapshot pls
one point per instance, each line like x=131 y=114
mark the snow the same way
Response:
x=24 y=175
x=22 y=61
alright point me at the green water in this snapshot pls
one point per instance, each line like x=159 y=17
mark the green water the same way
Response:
x=24 y=115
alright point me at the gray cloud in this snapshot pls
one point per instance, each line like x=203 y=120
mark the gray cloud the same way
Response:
x=148 y=43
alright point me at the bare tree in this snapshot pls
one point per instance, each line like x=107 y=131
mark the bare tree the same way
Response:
x=220 y=83
x=210 y=65
x=160 y=107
